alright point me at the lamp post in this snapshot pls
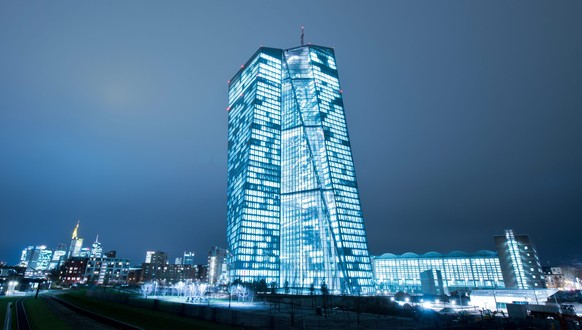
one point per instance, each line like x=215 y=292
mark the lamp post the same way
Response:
x=494 y=296
x=460 y=298
x=229 y=263
x=229 y=294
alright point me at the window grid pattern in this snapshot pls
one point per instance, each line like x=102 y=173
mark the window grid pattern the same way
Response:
x=253 y=206
x=459 y=271
x=293 y=209
x=322 y=232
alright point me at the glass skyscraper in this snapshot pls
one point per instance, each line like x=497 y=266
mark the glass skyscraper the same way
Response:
x=293 y=213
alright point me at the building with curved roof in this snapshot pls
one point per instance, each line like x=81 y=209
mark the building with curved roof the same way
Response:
x=459 y=271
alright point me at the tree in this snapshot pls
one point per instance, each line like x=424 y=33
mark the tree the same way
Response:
x=241 y=292
x=324 y=289
x=54 y=276
x=261 y=286
x=146 y=289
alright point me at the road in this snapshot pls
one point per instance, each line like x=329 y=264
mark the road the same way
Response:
x=21 y=317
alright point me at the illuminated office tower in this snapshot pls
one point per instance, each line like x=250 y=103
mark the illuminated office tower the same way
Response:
x=36 y=257
x=96 y=249
x=76 y=243
x=188 y=258
x=293 y=213
x=159 y=258
x=59 y=256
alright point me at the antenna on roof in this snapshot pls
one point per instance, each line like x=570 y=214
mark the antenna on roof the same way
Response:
x=302 y=35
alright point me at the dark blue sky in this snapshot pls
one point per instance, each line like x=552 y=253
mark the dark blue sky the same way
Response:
x=465 y=119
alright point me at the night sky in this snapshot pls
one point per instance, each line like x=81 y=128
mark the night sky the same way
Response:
x=465 y=119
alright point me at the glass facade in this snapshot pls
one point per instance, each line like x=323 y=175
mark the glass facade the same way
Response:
x=294 y=214
x=459 y=270
x=254 y=168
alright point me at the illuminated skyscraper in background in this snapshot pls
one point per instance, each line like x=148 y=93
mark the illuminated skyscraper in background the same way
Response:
x=36 y=258
x=96 y=249
x=293 y=209
x=188 y=258
x=76 y=243
x=59 y=256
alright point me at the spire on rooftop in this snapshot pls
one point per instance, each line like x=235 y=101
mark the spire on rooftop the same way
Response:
x=75 y=235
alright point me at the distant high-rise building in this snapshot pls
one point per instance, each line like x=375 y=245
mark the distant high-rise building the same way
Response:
x=148 y=258
x=85 y=252
x=156 y=257
x=519 y=261
x=107 y=270
x=188 y=258
x=157 y=267
x=76 y=243
x=36 y=258
x=217 y=267
x=26 y=255
x=59 y=256
x=96 y=249
x=293 y=208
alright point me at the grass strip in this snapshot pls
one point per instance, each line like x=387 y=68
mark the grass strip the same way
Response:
x=3 y=304
x=40 y=316
x=139 y=317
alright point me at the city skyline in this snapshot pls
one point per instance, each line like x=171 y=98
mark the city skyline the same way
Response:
x=463 y=120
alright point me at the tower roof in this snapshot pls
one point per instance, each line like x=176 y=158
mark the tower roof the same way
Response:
x=75 y=235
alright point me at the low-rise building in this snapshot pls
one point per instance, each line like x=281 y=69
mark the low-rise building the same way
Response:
x=172 y=273
x=73 y=271
x=107 y=271
x=458 y=271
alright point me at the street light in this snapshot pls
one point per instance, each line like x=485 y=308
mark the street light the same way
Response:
x=229 y=294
